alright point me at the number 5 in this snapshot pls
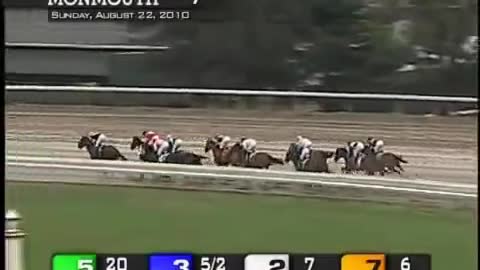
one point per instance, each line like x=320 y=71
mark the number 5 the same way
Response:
x=85 y=265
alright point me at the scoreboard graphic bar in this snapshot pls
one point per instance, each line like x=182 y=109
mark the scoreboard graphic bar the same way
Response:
x=280 y=261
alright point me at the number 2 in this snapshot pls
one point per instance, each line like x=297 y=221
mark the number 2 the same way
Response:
x=309 y=261
x=376 y=264
x=182 y=264
x=277 y=264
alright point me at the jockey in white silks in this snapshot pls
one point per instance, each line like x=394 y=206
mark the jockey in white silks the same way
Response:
x=174 y=143
x=304 y=146
x=99 y=139
x=222 y=140
x=376 y=145
x=250 y=145
x=354 y=149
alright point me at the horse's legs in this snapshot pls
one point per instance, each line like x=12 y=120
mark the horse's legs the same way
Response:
x=400 y=167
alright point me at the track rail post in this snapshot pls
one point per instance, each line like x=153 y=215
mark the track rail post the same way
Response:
x=14 y=241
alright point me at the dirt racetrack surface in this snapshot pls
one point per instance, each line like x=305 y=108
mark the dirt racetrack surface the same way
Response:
x=437 y=148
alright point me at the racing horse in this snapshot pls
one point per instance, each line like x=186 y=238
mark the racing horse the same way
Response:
x=258 y=160
x=147 y=154
x=372 y=162
x=221 y=157
x=108 y=152
x=316 y=163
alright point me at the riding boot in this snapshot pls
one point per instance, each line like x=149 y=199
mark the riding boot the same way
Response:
x=98 y=152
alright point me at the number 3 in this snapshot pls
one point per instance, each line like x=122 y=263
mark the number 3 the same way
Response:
x=182 y=264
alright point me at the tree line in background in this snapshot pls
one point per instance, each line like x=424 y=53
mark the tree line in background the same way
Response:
x=337 y=45
x=403 y=46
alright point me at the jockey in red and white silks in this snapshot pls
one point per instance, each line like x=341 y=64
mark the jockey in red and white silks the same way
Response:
x=156 y=141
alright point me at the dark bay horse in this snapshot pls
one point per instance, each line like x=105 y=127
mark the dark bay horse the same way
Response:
x=147 y=154
x=372 y=162
x=259 y=160
x=108 y=152
x=316 y=163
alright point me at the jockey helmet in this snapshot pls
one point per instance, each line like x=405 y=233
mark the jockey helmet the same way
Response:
x=92 y=133
x=369 y=139
x=243 y=139
x=144 y=132
x=299 y=137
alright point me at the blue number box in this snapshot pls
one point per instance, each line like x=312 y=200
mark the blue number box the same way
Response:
x=171 y=261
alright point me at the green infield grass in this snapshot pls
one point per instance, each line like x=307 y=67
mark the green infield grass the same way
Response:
x=69 y=218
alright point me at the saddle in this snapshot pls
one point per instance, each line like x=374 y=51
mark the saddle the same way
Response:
x=250 y=156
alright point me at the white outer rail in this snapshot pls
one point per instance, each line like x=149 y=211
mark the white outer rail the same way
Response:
x=296 y=94
x=222 y=174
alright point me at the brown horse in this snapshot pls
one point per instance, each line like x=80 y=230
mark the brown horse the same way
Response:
x=221 y=157
x=316 y=163
x=108 y=152
x=179 y=157
x=372 y=162
x=259 y=160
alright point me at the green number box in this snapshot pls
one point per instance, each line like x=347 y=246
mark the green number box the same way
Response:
x=74 y=262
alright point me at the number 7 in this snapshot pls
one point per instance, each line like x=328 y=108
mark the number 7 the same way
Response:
x=376 y=264
x=309 y=262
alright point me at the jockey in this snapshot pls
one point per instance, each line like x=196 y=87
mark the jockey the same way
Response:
x=163 y=150
x=354 y=149
x=174 y=143
x=152 y=139
x=304 y=147
x=250 y=145
x=98 y=139
x=376 y=145
x=222 y=140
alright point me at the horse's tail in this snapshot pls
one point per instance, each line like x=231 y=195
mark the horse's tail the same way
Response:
x=120 y=156
x=400 y=158
x=275 y=160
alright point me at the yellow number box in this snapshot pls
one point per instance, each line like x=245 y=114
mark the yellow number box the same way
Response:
x=373 y=261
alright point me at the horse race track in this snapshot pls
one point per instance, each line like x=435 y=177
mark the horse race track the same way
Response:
x=63 y=218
